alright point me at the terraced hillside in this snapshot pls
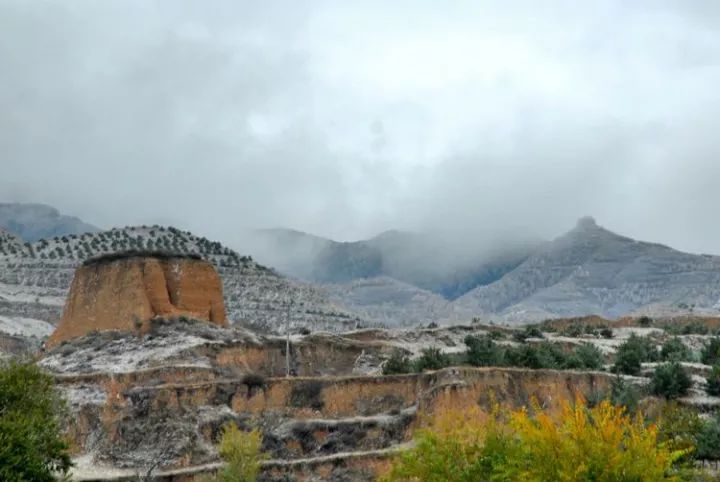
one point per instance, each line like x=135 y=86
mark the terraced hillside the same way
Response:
x=336 y=418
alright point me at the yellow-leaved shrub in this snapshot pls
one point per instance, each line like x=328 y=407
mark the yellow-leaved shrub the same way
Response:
x=242 y=454
x=600 y=444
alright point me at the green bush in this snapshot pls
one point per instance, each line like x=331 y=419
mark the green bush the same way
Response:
x=32 y=446
x=624 y=394
x=710 y=354
x=695 y=327
x=536 y=355
x=533 y=332
x=483 y=351
x=670 y=380
x=590 y=356
x=398 y=363
x=713 y=382
x=432 y=359
x=573 y=331
x=644 y=321
x=631 y=354
x=679 y=427
x=708 y=440
x=606 y=332
x=675 y=350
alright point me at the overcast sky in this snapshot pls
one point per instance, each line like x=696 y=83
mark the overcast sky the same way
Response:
x=348 y=118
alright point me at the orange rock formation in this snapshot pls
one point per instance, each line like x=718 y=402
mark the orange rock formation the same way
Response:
x=123 y=292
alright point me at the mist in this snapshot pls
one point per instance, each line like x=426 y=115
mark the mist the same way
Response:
x=347 y=119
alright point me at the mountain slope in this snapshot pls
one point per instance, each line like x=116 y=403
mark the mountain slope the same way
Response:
x=591 y=270
x=32 y=222
x=35 y=278
x=441 y=263
x=391 y=302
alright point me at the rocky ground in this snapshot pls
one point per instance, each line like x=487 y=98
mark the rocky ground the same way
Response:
x=158 y=401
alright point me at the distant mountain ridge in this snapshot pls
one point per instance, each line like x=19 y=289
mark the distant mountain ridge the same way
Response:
x=428 y=262
x=591 y=270
x=405 y=278
x=394 y=279
x=33 y=222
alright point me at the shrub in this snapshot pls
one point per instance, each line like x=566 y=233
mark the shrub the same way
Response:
x=253 y=381
x=483 y=351
x=397 y=363
x=644 y=321
x=710 y=354
x=679 y=428
x=713 y=382
x=606 y=332
x=695 y=327
x=538 y=355
x=631 y=354
x=432 y=359
x=670 y=380
x=601 y=443
x=31 y=444
x=241 y=452
x=623 y=394
x=533 y=332
x=675 y=350
x=497 y=335
x=590 y=356
x=573 y=331
x=708 y=440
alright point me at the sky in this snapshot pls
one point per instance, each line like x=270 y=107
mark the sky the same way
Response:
x=349 y=118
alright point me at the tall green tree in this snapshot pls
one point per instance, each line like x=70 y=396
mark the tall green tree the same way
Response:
x=32 y=446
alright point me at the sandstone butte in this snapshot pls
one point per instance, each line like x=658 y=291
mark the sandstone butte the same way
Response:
x=126 y=291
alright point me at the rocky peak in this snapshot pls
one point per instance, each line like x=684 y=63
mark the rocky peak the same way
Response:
x=586 y=222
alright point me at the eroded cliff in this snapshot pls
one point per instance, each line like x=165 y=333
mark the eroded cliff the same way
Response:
x=125 y=292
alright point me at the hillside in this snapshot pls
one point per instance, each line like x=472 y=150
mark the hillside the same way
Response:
x=33 y=222
x=35 y=277
x=591 y=270
x=442 y=263
x=9 y=243
x=391 y=302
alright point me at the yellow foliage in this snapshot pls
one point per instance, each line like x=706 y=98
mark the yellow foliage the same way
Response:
x=242 y=453
x=601 y=444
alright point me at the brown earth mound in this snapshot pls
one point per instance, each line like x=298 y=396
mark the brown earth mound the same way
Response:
x=125 y=292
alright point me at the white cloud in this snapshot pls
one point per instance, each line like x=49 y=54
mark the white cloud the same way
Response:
x=347 y=118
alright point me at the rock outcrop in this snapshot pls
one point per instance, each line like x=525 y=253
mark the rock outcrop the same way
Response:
x=124 y=291
x=35 y=280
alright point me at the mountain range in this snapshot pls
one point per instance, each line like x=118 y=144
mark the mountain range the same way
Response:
x=407 y=278
x=394 y=279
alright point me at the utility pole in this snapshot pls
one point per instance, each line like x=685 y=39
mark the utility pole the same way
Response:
x=287 y=340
